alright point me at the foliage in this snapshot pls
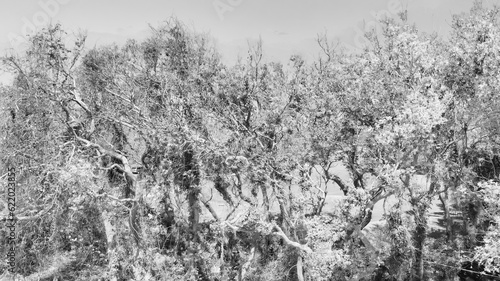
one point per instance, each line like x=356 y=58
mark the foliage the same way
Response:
x=155 y=161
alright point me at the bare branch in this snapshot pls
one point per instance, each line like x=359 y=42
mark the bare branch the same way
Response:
x=123 y=200
x=113 y=166
x=233 y=210
x=134 y=107
x=289 y=242
x=209 y=207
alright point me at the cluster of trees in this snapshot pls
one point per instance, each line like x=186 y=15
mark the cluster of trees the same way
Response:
x=155 y=161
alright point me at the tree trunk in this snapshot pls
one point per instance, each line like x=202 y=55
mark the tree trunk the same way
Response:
x=447 y=218
x=419 y=240
x=470 y=222
x=418 y=266
x=191 y=183
x=265 y=197
x=110 y=230
x=300 y=269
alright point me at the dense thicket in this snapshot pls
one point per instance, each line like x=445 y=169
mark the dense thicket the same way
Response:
x=155 y=161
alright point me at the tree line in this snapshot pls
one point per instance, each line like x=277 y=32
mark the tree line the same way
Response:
x=155 y=161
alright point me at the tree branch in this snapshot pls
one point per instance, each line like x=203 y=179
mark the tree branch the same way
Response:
x=289 y=242
x=340 y=183
x=209 y=207
x=134 y=107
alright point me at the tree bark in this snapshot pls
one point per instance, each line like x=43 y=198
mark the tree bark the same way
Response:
x=265 y=197
x=447 y=218
x=300 y=269
x=111 y=244
x=418 y=241
x=191 y=183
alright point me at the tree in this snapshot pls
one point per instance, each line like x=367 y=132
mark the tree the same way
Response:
x=156 y=149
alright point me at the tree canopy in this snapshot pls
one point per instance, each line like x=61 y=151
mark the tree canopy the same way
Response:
x=156 y=161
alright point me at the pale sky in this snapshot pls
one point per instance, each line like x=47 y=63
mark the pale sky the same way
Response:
x=286 y=26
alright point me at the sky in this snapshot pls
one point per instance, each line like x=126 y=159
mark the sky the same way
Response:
x=286 y=27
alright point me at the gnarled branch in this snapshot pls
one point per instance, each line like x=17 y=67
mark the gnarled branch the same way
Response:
x=289 y=242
